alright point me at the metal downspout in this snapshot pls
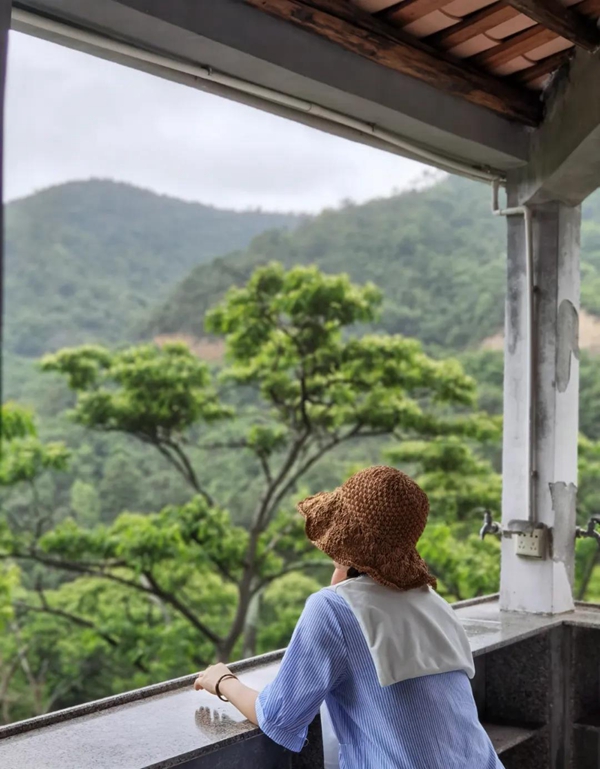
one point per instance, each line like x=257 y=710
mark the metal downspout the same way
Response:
x=525 y=212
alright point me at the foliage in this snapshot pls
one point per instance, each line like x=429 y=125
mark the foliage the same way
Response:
x=465 y=566
x=457 y=480
x=85 y=260
x=316 y=381
x=316 y=386
x=437 y=254
x=23 y=455
x=282 y=604
x=153 y=394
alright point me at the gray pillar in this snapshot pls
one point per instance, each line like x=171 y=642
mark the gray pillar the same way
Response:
x=528 y=584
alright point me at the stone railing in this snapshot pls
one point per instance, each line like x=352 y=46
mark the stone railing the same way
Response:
x=537 y=689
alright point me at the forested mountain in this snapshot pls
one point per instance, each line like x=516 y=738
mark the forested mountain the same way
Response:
x=438 y=254
x=105 y=261
x=85 y=259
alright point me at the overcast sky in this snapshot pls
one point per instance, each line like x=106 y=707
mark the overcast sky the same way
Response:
x=72 y=116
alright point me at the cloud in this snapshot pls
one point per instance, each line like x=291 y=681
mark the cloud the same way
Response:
x=72 y=116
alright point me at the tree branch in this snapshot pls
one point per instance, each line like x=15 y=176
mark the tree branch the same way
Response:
x=182 y=609
x=45 y=608
x=224 y=571
x=355 y=432
x=265 y=468
x=153 y=590
x=190 y=471
x=266 y=505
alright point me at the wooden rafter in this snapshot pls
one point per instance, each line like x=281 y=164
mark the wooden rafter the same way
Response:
x=565 y=22
x=411 y=10
x=474 y=24
x=360 y=33
x=544 y=67
x=514 y=46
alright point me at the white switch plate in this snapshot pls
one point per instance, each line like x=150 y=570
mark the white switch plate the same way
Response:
x=531 y=544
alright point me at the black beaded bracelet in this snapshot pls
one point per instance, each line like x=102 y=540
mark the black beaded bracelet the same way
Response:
x=218 y=691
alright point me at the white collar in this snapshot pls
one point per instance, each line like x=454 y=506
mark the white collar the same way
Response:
x=409 y=633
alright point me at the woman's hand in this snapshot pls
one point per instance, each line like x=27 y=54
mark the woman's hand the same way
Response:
x=241 y=696
x=210 y=677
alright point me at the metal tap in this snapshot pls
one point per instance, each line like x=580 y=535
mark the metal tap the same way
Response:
x=489 y=525
x=590 y=530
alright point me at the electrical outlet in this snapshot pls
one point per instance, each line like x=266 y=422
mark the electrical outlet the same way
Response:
x=531 y=544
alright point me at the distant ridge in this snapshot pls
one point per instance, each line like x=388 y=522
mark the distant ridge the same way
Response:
x=86 y=259
x=437 y=253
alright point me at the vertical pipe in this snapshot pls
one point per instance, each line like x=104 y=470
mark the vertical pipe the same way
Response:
x=532 y=347
x=525 y=212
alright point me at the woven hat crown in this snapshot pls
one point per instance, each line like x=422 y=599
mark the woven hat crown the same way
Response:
x=373 y=523
x=387 y=506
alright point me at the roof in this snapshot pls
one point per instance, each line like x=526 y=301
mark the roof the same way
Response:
x=465 y=85
x=496 y=53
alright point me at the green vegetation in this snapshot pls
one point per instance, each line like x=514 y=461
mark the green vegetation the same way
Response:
x=437 y=254
x=147 y=518
x=86 y=260
x=309 y=388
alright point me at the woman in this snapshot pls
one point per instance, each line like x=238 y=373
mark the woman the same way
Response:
x=382 y=650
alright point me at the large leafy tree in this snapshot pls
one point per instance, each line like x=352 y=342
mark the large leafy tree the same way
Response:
x=291 y=340
x=23 y=459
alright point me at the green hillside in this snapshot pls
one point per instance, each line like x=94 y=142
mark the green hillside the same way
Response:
x=84 y=260
x=438 y=254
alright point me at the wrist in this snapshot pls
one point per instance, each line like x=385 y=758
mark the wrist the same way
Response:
x=229 y=687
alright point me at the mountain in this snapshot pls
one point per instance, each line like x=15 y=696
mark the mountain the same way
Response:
x=85 y=260
x=438 y=254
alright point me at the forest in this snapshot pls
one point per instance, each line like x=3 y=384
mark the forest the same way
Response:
x=177 y=377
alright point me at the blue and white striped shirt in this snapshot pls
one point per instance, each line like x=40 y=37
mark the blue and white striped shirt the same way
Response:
x=429 y=722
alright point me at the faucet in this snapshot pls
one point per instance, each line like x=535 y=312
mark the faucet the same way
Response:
x=590 y=530
x=489 y=525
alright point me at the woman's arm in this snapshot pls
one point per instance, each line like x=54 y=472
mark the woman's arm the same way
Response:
x=314 y=663
x=241 y=696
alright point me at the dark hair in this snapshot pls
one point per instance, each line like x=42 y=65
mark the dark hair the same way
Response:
x=352 y=572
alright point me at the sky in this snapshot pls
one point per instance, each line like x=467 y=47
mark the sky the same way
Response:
x=73 y=116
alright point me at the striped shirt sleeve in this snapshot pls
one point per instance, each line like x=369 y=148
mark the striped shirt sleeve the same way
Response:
x=313 y=665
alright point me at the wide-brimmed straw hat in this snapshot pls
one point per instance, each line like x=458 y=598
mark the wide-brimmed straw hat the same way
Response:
x=373 y=523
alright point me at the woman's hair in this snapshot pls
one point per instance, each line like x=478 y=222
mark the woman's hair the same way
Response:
x=352 y=572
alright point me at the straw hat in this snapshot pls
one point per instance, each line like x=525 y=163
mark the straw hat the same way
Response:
x=373 y=523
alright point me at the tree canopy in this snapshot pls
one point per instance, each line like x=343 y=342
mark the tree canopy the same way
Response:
x=301 y=382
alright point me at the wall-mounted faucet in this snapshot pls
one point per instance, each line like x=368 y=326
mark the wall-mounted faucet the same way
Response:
x=590 y=530
x=489 y=525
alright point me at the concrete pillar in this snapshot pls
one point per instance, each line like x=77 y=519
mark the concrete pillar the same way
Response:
x=527 y=584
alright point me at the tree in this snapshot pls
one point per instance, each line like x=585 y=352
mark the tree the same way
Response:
x=85 y=503
x=465 y=566
x=457 y=480
x=23 y=456
x=317 y=386
x=23 y=459
x=459 y=483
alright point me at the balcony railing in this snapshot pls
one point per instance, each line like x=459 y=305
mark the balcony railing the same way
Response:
x=537 y=689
